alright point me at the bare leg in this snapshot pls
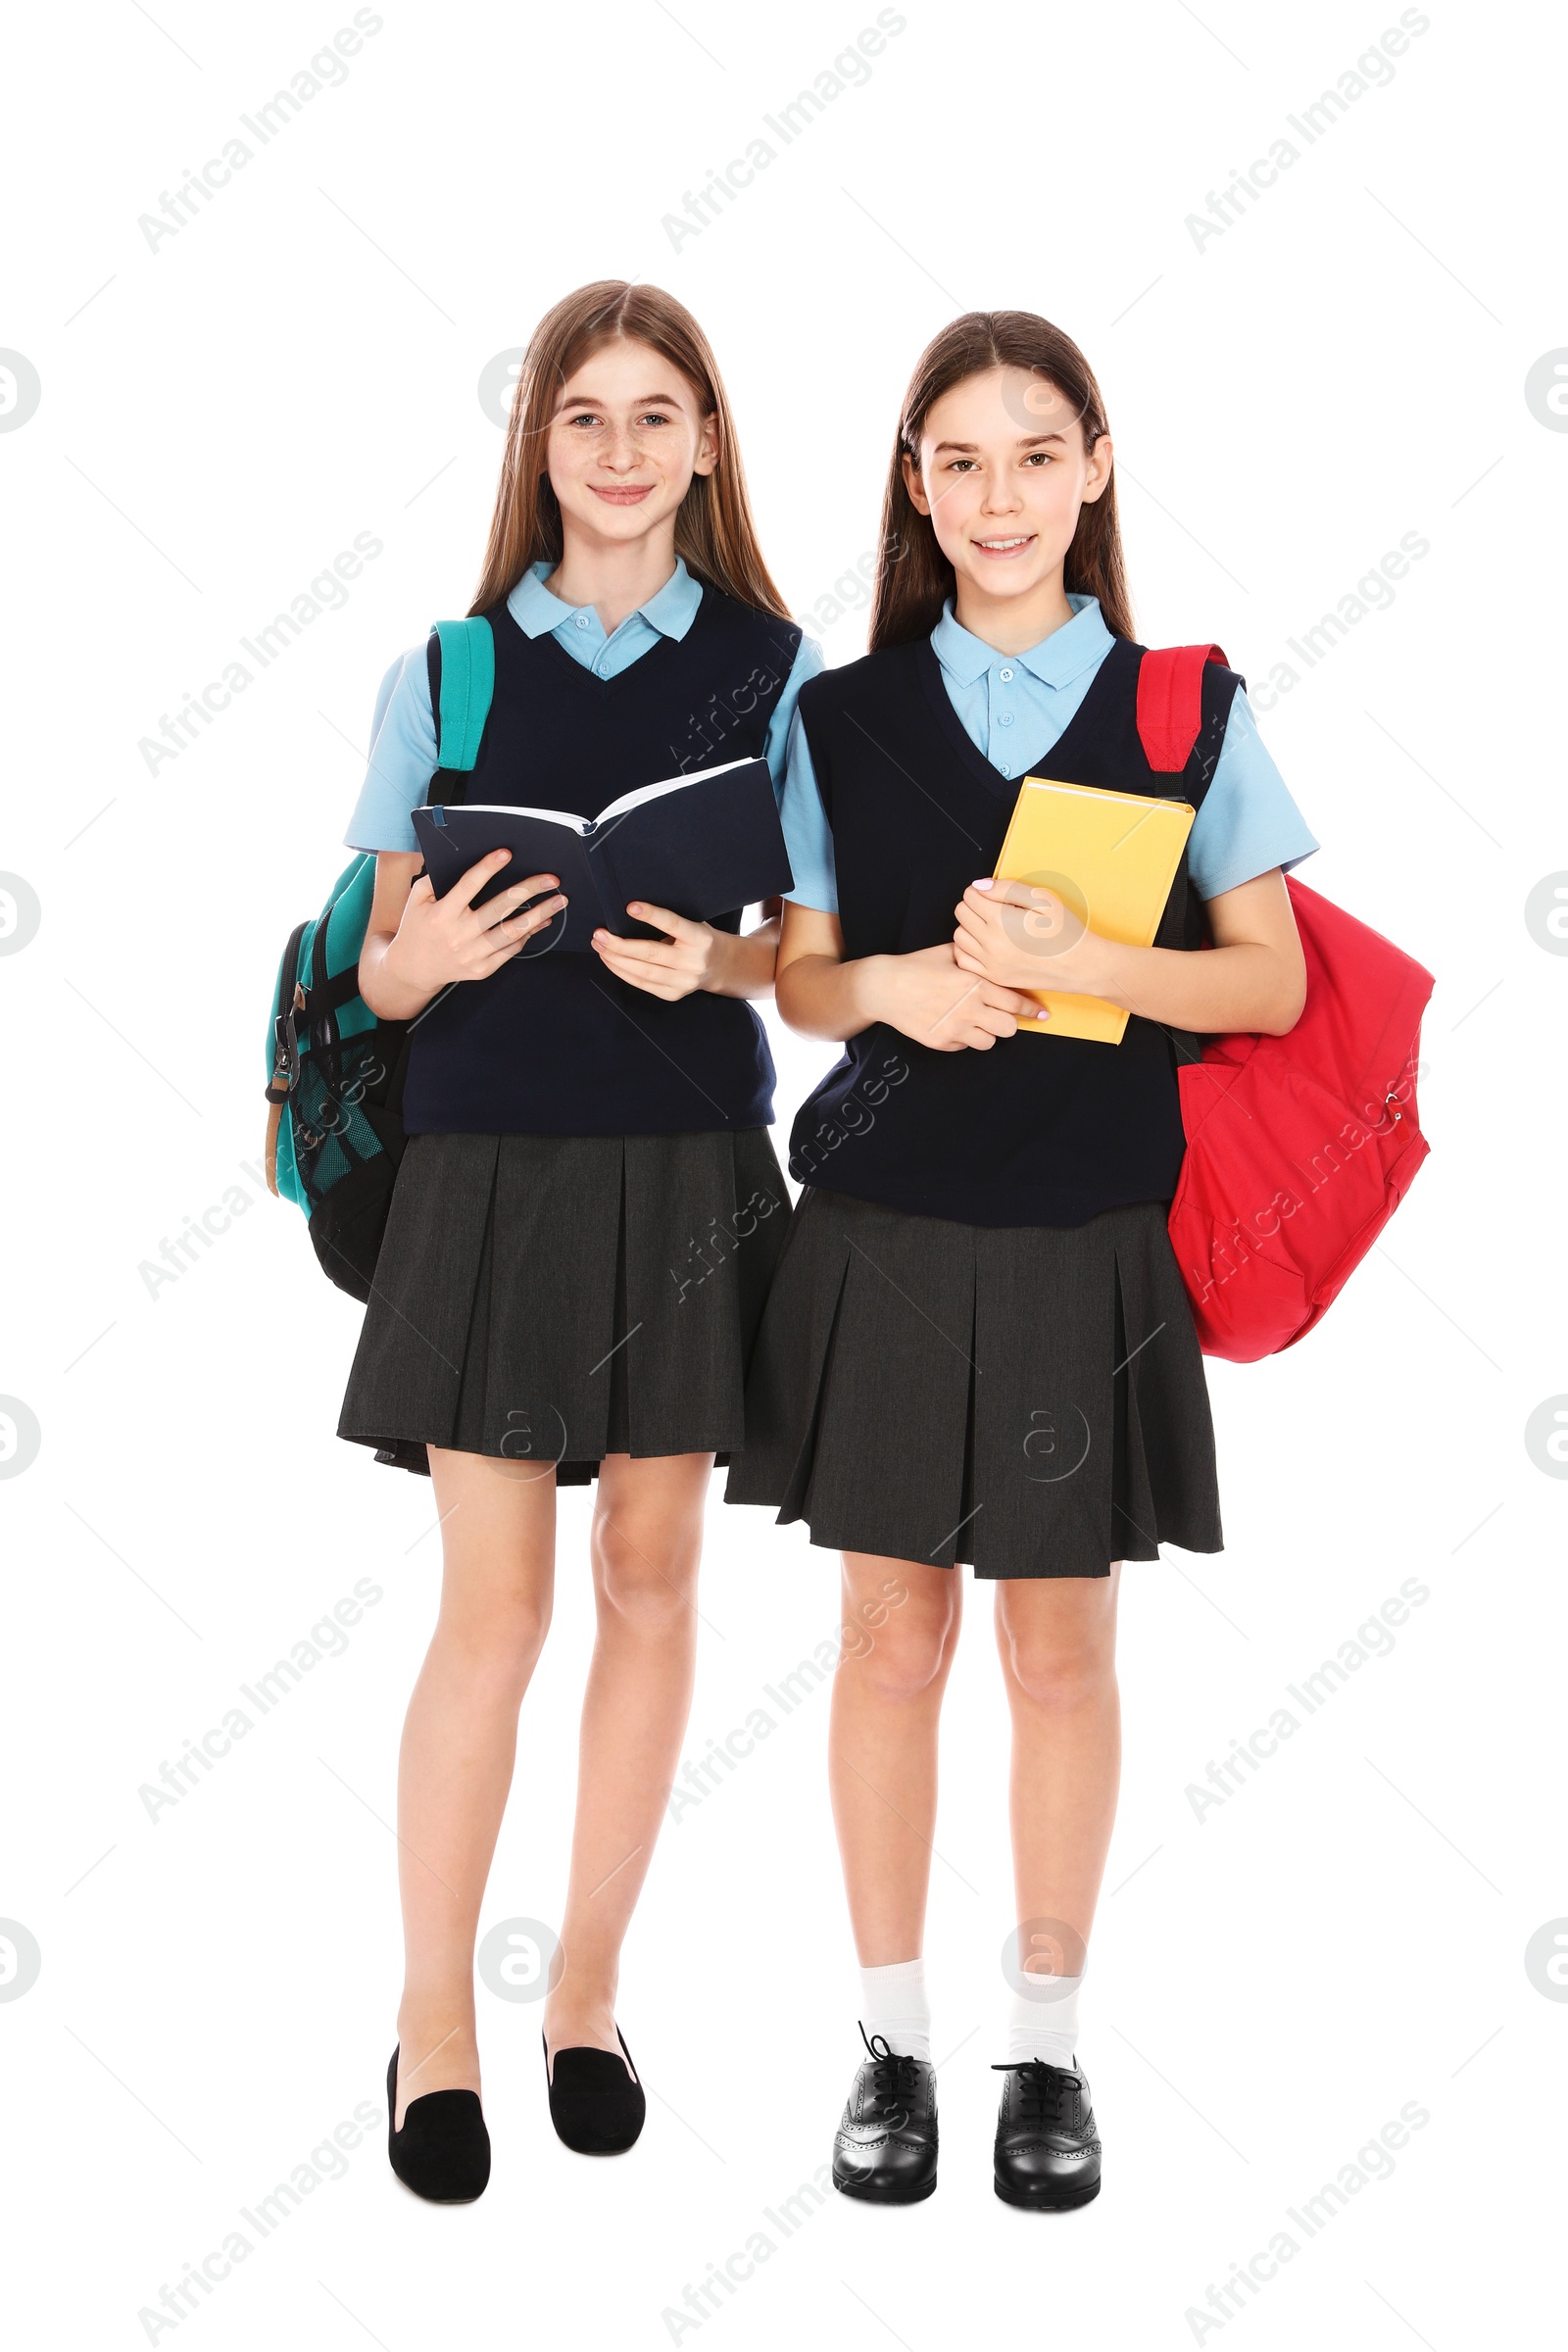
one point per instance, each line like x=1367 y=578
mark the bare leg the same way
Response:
x=1057 y=1639
x=647 y=1543
x=900 y=1626
x=459 y=1741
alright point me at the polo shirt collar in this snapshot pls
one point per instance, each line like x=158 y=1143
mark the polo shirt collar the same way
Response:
x=537 y=610
x=1055 y=661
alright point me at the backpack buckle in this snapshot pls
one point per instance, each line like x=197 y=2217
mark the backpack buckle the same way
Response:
x=286 y=1053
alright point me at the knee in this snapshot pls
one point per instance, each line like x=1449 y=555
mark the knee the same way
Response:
x=1059 y=1669
x=642 y=1583
x=906 y=1655
x=497 y=1645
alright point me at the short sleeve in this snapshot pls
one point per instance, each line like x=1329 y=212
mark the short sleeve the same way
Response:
x=403 y=758
x=1247 y=823
x=807 y=835
x=807 y=664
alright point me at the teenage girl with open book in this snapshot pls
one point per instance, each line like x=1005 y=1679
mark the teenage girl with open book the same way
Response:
x=977 y=1346
x=576 y=1123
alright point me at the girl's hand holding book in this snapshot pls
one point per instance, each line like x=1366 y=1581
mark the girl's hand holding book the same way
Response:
x=692 y=956
x=442 y=939
x=1024 y=936
x=674 y=966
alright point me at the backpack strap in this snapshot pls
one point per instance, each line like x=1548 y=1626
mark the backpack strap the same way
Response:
x=1170 y=719
x=1170 y=703
x=461 y=660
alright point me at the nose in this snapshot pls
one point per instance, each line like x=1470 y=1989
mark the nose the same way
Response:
x=999 y=496
x=620 y=454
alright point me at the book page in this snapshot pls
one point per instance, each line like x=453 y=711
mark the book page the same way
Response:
x=653 y=791
x=1091 y=791
x=549 y=816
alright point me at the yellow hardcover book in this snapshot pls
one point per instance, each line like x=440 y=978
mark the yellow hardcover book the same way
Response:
x=1111 y=857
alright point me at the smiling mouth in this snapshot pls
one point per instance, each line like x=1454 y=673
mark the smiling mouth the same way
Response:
x=621 y=494
x=1013 y=546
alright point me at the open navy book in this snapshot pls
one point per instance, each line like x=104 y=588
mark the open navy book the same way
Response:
x=703 y=845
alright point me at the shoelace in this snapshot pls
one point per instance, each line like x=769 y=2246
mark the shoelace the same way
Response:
x=1042 y=2088
x=894 y=2081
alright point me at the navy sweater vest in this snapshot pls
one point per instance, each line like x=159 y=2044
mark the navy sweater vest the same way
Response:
x=1041 y=1130
x=554 y=1044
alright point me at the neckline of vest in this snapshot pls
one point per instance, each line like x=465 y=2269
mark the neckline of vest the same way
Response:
x=974 y=760
x=591 y=677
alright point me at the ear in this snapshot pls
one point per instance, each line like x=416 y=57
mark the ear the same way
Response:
x=707 y=458
x=1098 y=469
x=914 y=484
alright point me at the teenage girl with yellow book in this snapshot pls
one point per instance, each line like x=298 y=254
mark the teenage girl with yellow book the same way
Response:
x=977 y=1347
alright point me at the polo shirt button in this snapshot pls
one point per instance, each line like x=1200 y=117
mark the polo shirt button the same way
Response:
x=582 y=621
x=1004 y=718
x=1006 y=676
x=1007 y=771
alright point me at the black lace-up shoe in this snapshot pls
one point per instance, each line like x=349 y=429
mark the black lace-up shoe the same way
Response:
x=886 y=2148
x=1048 y=2150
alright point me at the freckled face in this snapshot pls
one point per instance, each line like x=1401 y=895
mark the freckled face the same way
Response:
x=625 y=439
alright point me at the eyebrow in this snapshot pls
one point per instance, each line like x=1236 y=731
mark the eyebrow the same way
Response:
x=649 y=400
x=969 y=449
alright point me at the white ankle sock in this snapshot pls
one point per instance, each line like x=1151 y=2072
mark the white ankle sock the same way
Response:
x=1045 y=2029
x=894 y=2004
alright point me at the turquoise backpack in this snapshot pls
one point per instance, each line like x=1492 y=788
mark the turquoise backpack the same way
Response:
x=332 y=1066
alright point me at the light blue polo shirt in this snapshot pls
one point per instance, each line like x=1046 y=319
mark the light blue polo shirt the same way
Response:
x=403 y=750
x=1014 y=708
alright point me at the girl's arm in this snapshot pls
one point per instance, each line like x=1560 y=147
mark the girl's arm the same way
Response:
x=923 y=995
x=1253 y=979
x=416 y=944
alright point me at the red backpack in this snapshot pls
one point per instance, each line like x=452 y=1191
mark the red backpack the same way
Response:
x=1301 y=1147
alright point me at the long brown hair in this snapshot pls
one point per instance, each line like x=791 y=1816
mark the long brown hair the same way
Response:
x=714 y=534
x=914 y=576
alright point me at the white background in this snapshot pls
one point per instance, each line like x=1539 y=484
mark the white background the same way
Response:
x=219 y=415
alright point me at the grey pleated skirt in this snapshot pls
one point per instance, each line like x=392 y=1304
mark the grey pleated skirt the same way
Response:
x=555 y=1298
x=1027 y=1400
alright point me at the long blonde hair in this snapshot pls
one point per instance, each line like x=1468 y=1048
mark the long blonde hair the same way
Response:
x=714 y=534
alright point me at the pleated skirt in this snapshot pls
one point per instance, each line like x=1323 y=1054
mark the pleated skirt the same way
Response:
x=1029 y=1400
x=554 y=1299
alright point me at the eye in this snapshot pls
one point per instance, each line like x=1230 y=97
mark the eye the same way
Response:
x=959 y=465
x=654 y=417
x=585 y=416
x=1039 y=458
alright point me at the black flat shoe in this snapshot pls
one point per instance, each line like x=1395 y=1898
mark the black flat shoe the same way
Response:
x=443 y=2150
x=1048 y=2150
x=596 y=2102
x=886 y=2147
